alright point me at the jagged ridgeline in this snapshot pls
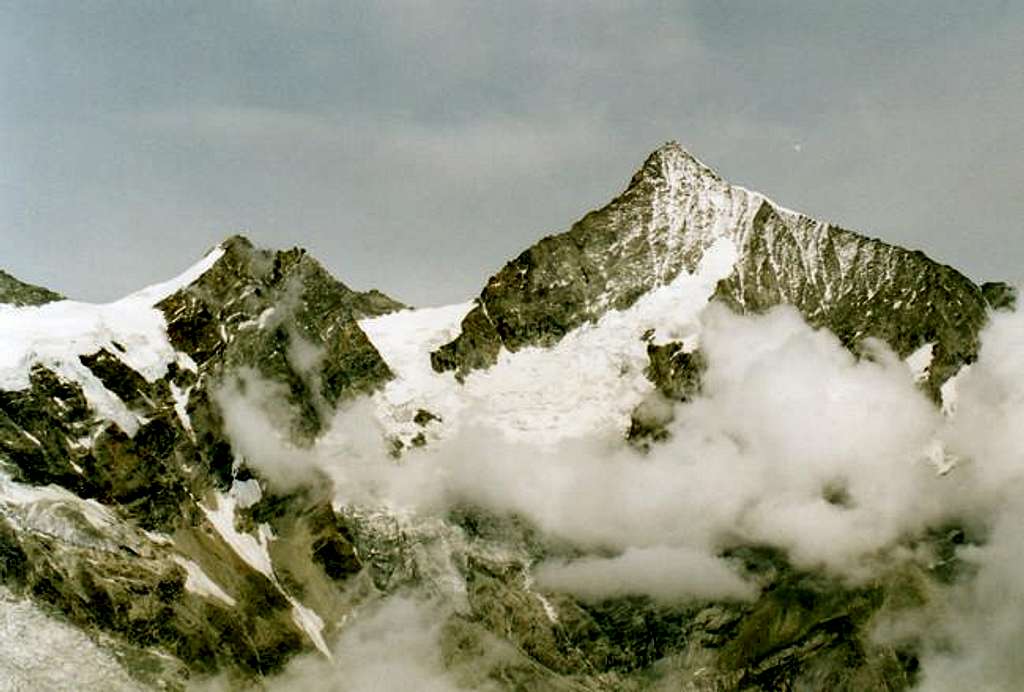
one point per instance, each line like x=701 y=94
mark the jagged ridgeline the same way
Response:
x=673 y=210
x=123 y=509
x=127 y=511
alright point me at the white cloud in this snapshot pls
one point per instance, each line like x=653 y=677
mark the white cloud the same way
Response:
x=391 y=645
x=794 y=443
x=665 y=574
x=975 y=644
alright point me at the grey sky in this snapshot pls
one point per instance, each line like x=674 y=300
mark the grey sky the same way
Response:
x=415 y=147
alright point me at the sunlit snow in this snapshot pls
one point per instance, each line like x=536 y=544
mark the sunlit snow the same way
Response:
x=56 y=334
x=598 y=368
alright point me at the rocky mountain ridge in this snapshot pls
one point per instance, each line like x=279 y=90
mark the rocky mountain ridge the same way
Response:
x=129 y=510
x=15 y=292
x=672 y=211
x=122 y=526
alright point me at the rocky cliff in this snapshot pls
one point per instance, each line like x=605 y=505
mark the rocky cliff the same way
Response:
x=130 y=510
x=126 y=510
x=672 y=211
x=15 y=292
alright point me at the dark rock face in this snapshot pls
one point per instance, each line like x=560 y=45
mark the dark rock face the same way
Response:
x=857 y=288
x=125 y=589
x=39 y=427
x=806 y=630
x=105 y=545
x=674 y=371
x=128 y=385
x=1000 y=296
x=477 y=347
x=138 y=474
x=676 y=375
x=15 y=292
x=110 y=525
x=284 y=315
x=673 y=210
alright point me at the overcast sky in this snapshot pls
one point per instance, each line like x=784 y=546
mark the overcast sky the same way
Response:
x=416 y=147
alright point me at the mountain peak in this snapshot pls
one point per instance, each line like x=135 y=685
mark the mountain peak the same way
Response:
x=674 y=211
x=673 y=164
x=238 y=241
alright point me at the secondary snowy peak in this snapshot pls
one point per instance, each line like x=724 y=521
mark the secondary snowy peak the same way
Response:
x=280 y=302
x=283 y=315
x=124 y=504
x=73 y=338
x=675 y=208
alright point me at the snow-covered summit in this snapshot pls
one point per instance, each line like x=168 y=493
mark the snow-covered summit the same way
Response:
x=674 y=164
x=164 y=495
x=114 y=407
x=57 y=334
x=674 y=209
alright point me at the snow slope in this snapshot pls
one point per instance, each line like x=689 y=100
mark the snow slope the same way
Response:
x=256 y=553
x=198 y=581
x=41 y=652
x=588 y=383
x=56 y=334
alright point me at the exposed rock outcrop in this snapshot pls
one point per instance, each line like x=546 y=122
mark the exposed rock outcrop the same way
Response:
x=15 y=292
x=673 y=210
x=137 y=536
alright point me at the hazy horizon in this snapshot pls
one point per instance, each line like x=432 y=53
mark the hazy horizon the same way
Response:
x=416 y=149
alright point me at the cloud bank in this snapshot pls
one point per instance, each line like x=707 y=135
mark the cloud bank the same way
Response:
x=794 y=443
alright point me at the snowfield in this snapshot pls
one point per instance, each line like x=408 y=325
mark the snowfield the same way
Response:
x=599 y=368
x=56 y=334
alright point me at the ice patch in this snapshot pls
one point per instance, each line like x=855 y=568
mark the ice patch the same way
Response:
x=264 y=318
x=549 y=610
x=949 y=391
x=779 y=209
x=158 y=538
x=310 y=623
x=180 y=397
x=405 y=340
x=54 y=511
x=198 y=582
x=253 y=552
x=151 y=295
x=919 y=361
x=247 y=492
